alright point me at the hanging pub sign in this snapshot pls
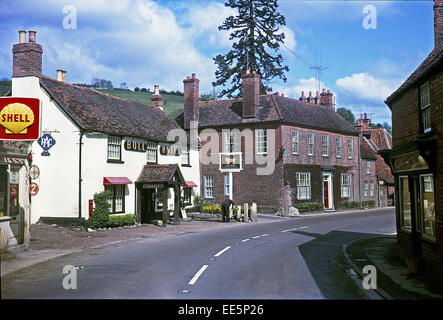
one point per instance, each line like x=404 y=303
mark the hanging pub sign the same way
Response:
x=19 y=118
x=46 y=142
x=136 y=145
x=230 y=162
x=169 y=150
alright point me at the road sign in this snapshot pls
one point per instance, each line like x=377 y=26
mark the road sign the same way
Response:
x=34 y=172
x=46 y=142
x=33 y=189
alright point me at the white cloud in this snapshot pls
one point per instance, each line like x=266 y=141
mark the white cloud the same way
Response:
x=368 y=87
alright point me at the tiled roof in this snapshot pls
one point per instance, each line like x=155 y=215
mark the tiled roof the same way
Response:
x=96 y=111
x=433 y=60
x=272 y=108
x=383 y=171
x=367 y=152
x=158 y=173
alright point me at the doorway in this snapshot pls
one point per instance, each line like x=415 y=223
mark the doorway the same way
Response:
x=147 y=205
x=328 y=201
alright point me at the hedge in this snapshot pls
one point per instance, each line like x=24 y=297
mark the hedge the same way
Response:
x=121 y=220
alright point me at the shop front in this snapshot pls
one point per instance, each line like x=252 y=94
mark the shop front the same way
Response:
x=14 y=195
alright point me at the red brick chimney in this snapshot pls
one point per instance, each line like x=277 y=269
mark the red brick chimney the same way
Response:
x=27 y=56
x=364 y=122
x=156 y=98
x=302 y=98
x=191 y=112
x=310 y=98
x=438 y=22
x=326 y=99
x=251 y=93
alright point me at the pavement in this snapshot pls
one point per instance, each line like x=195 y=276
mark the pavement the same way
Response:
x=394 y=282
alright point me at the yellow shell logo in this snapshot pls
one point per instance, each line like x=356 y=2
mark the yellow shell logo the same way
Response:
x=16 y=118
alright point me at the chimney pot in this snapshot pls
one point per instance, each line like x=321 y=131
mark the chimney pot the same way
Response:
x=32 y=37
x=21 y=36
x=156 y=98
x=302 y=93
x=59 y=74
x=193 y=76
x=282 y=94
x=247 y=71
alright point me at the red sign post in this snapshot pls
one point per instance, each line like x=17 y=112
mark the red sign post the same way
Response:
x=19 y=118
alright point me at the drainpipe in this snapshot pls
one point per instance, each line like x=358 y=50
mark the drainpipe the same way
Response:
x=80 y=175
x=359 y=170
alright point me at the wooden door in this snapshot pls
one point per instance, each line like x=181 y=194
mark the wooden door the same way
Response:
x=326 y=193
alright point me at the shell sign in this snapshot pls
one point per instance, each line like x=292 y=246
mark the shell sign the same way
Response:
x=19 y=118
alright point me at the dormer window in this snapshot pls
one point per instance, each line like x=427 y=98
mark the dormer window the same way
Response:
x=425 y=107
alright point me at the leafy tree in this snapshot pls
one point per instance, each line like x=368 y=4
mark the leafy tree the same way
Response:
x=347 y=115
x=136 y=89
x=255 y=30
x=206 y=97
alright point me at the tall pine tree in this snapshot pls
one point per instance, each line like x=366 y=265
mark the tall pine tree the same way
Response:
x=255 y=34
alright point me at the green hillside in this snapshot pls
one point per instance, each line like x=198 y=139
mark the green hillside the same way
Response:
x=172 y=104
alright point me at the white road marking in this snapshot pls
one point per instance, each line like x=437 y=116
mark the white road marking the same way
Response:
x=225 y=249
x=295 y=229
x=245 y=240
x=255 y=237
x=264 y=235
x=197 y=275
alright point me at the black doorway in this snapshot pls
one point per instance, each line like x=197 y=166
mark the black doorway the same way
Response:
x=147 y=205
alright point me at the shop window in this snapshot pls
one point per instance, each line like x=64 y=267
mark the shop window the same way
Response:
x=303 y=181
x=117 y=197
x=208 y=186
x=338 y=147
x=405 y=203
x=114 y=148
x=295 y=141
x=425 y=107
x=346 y=185
x=151 y=152
x=325 y=145
x=14 y=207
x=428 y=205
x=261 y=141
x=311 y=143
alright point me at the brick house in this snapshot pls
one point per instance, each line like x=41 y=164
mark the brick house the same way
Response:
x=287 y=151
x=377 y=180
x=416 y=159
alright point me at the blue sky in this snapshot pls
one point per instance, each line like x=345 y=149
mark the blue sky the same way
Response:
x=145 y=42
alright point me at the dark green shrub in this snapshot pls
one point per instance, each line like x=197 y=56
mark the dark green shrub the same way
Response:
x=198 y=202
x=368 y=203
x=309 y=206
x=100 y=216
x=121 y=220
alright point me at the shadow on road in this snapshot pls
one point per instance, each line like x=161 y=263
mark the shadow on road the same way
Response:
x=324 y=258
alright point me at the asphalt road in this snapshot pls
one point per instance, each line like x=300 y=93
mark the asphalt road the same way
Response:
x=276 y=258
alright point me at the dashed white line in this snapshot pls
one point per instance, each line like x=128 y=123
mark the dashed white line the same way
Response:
x=221 y=252
x=245 y=240
x=295 y=229
x=264 y=235
x=197 y=275
x=255 y=237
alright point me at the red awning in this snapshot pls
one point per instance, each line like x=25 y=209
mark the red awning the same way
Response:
x=116 y=180
x=189 y=184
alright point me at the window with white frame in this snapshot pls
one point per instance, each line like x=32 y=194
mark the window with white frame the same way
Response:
x=366 y=189
x=346 y=179
x=151 y=152
x=208 y=184
x=116 y=198
x=261 y=141
x=185 y=155
x=428 y=205
x=229 y=141
x=425 y=107
x=338 y=146
x=368 y=167
x=371 y=189
x=226 y=185
x=325 y=145
x=187 y=195
x=114 y=148
x=303 y=181
x=350 y=148
x=310 y=143
x=295 y=141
